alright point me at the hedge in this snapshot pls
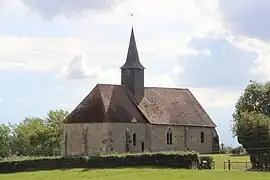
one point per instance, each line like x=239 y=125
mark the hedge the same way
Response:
x=176 y=160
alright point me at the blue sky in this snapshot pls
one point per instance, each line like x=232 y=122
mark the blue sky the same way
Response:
x=53 y=52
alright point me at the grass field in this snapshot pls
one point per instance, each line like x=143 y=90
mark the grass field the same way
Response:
x=220 y=158
x=137 y=174
x=147 y=173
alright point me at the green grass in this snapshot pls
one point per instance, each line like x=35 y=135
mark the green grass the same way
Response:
x=220 y=158
x=148 y=173
x=137 y=174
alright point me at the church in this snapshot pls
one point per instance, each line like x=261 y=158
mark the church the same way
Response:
x=132 y=118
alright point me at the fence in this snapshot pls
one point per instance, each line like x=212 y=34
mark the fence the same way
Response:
x=240 y=166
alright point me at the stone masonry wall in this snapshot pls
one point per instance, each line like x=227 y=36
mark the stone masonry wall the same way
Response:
x=92 y=139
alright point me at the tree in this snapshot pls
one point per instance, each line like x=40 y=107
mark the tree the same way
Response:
x=55 y=126
x=5 y=140
x=37 y=136
x=30 y=137
x=252 y=111
x=251 y=118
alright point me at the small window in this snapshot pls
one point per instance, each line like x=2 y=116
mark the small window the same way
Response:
x=169 y=137
x=202 y=137
x=134 y=139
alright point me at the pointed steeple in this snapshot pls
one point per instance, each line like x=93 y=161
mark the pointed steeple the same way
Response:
x=132 y=60
x=132 y=72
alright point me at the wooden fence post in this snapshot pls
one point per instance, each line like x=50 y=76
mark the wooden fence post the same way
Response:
x=229 y=165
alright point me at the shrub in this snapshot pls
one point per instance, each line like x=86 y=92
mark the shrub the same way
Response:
x=176 y=159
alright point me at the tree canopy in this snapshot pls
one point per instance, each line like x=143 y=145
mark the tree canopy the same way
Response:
x=33 y=136
x=251 y=117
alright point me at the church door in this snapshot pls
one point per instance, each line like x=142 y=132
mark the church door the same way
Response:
x=142 y=146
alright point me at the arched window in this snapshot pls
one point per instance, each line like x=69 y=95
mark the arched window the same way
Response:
x=134 y=139
x=169 y=136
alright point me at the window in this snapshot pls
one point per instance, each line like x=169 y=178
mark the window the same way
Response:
x=169 y=137
x=134 y=139
x=127 y=72
x=202 y=137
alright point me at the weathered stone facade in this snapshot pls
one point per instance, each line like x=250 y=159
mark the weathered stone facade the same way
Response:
x=111 y=138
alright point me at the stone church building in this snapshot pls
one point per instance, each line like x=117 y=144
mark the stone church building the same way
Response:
x=133 y=118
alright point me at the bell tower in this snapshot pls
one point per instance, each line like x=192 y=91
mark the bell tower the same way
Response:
x=132 y=72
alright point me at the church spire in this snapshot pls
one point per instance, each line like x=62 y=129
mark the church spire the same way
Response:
x=132 y=72
x=132 y=60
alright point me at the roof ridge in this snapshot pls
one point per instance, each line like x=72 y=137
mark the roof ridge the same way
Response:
x=175 y=88
x=102 y=84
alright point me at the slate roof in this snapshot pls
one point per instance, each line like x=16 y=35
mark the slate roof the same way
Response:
x=115 y=103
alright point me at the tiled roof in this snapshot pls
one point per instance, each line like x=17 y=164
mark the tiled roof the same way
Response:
x=115 y=103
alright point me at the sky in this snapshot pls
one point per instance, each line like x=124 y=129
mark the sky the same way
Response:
x=54 y=52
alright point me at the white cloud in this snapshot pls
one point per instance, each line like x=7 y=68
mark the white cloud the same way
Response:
x=51 y=8
x=261 y=48
x=246 y=17
x=163 y=30
x=215 y=97
x=1 y=99
x=77 y=69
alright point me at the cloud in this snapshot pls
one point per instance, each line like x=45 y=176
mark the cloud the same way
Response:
x=225 y=65
x=1 y=99
x=51 y=8
x=46 y=53
x=216 y=97
x=77 y=69
x=247 y=17
x=261 y=64
x=3 y=3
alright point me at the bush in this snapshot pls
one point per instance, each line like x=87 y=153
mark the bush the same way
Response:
x=206 y=162
x=176 y=159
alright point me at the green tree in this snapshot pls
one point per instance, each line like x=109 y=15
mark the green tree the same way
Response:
x=38 y=136
x=55 y=126
x=30 y=137
x=251 y=122
x=251 y=116
x=5 y=140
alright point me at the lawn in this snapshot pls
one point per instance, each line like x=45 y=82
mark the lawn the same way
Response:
x=220 y=158
x=137 y=174
x=148 y=173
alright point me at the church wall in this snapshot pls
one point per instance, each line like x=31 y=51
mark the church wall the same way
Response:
x=193 y=139
x=76 y=134
x=111 y=138
x=104 y=137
